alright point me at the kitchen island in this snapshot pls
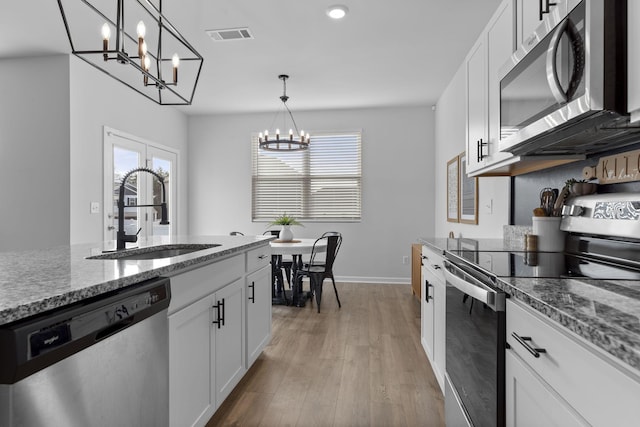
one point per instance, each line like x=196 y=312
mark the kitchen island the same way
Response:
x=32 y=282
x=217 y=322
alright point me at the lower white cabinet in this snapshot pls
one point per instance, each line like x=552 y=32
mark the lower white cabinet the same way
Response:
x=219 y=322
x=258 y=302
x=206 y=354
x=570 y=382
x=432 y=311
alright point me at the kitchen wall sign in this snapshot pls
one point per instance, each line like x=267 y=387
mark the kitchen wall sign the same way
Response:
x=453 y=190
x=623 y=167
x=468 y=193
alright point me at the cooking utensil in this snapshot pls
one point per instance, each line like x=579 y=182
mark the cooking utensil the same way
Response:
x=547 y=199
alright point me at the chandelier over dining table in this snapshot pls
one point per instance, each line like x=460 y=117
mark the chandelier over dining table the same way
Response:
x=294 y=140
x=133 y=42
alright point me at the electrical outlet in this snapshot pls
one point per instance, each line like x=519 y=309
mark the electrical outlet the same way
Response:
x=95 y=207
x=405 y=259
x=488 y=207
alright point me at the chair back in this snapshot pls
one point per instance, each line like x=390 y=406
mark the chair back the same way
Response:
x=330 y=245
x=236 y=233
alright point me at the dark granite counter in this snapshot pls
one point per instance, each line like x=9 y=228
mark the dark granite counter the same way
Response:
x=603 y=312
x=32 y=282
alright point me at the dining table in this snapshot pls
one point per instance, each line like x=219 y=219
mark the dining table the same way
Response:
x=296 y=249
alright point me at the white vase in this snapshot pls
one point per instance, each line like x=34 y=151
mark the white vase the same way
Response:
x=286 y=235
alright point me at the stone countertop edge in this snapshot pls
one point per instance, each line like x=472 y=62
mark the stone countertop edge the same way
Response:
x=33 y=282
x=621 y=344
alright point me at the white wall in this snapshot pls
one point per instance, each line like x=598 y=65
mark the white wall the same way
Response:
x=98 y=100
x=397 y=193
x=34 y=153
x=450 y=137
x=51 y=153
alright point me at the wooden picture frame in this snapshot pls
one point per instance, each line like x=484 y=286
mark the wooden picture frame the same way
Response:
x=468 y=194
x=453 y=190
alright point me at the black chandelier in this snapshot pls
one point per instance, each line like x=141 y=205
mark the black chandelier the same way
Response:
x=134 y=43
x=291 y=142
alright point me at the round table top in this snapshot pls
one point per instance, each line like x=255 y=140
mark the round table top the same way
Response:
x=303 y=246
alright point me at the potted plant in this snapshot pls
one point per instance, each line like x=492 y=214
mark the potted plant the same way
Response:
x=581 y=187
x=285 y=221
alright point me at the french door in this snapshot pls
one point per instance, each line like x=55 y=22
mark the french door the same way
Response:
x=123 y=153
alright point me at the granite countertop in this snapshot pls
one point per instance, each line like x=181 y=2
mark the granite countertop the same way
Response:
x=35 y=281
x=603 y=312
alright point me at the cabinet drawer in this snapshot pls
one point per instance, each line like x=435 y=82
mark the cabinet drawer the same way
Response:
x=432 y=261
x=195 y=284
x=601 y=392
x=258 y=258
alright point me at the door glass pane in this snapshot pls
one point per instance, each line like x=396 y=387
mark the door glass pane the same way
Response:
x=163 y=168
x=125 y=160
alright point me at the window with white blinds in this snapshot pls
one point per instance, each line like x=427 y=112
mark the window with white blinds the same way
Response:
x=323 y=182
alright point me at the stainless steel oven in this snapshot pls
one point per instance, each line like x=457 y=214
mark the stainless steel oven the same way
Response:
x=475 y=347
x=564 y=90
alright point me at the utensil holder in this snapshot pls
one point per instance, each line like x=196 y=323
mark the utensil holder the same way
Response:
x=550 y=237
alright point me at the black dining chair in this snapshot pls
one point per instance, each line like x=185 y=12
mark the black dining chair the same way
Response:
x=277 y=264
x=318 y=270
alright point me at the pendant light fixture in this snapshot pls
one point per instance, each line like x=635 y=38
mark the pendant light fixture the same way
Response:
x=293 y=141
x=134 y=43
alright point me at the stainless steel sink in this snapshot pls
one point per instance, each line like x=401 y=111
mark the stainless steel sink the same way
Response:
x=155 y=252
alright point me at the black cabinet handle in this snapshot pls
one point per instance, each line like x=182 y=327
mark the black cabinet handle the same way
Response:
x=480 y=150
x=427 y=297
x=252 y=298
x=218 y=320
x=262 y=256
x=436 y=267
x=545 y=6
x=523 y=341
x=223 y=316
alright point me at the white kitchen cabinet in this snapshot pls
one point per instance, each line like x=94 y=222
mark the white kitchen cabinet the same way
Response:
x=258 y=301
x=192 y=398
x=571 y=382
x=529 y=17
x=432 y=311
x=493 y=48
x=633 y=59
x=476 y=70
x=229 y=338
x=531 y=402
x=216 y=332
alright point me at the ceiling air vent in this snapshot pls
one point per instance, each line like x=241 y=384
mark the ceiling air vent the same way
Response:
x=230 y=34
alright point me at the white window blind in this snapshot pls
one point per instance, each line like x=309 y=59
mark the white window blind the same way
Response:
x=323 y=182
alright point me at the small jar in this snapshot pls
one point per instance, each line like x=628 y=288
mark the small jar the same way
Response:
x=530 y=242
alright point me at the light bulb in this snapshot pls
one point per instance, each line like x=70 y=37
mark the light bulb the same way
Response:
x=175 y=60
x=106 y=31
x=141 y=29
x=147 y=63
x=337 y=11
x=143 y=48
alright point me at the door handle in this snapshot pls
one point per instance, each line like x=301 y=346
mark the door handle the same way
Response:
x=544 y=7
x=252 y=298
x=427 y=297
x=577 y=47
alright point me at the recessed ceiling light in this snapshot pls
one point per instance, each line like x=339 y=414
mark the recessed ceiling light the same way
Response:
x=337 y=11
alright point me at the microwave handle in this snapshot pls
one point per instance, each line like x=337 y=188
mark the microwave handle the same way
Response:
x=578 y=64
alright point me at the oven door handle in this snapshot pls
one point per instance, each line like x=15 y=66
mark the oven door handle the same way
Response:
x=472 y=286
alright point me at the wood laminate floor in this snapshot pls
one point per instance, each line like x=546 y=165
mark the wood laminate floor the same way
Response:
x=361 y=365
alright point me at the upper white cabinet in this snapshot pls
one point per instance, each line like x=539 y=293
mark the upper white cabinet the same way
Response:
x=633 y=59
x=491 y=51
x=531 y=13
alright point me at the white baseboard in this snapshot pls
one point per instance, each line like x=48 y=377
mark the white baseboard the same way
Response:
x=362 y=279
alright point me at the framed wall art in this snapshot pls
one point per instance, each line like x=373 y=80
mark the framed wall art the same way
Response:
x=453 y=190
x=468 y=193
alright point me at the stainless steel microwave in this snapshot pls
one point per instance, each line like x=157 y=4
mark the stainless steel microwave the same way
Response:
x=564 y=90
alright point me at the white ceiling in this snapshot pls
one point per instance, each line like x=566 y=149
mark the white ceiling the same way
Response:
x=395 y=53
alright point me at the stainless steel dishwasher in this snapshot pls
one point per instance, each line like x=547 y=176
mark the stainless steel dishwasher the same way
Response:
x=101 y=362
